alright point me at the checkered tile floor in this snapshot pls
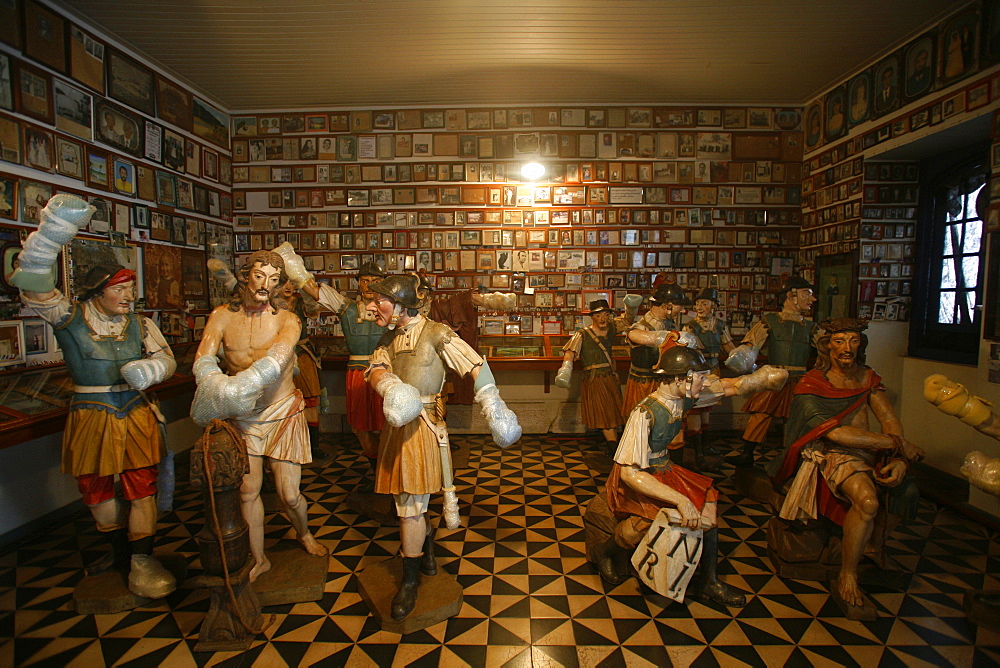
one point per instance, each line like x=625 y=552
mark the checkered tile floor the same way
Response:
x=531 y=598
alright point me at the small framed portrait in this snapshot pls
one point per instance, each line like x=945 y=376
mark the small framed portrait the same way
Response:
x=174 y=153
x=958 y=47
x=919 y=63
x=166 y=188
x=493 y=326
x=34 y=197
x=8 y=198
x=210 y=123
x=131 y=82
x=124 y=174
x=859 y=98
x=886 y=80
x=118 y=128
x=814 y=125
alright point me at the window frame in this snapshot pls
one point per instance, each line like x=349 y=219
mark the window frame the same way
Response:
x=929 y=339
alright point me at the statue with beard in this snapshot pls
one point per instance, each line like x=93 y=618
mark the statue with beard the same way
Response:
x=256 y=338
x=828 y=439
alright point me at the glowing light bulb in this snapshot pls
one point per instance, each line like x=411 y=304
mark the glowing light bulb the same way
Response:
x=533 y=171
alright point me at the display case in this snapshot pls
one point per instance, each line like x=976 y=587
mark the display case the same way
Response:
x=514 y=346
x=34 y=401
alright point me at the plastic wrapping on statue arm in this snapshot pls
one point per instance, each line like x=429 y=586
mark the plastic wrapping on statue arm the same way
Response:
x=688 y=339
x=955 y=399
x=222 y=274
x=982 y=471
x=765 y=378
x=645 y=337
x=141 y=374
x=331 y=300
x=401 y=402
x=295 y=266
x=712 y=392
x=59 y=223
x=565 y=373
x=743 y=359
x=501 y=420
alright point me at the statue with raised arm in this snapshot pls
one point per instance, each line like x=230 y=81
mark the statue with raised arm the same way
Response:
x=836 y=462
x=361 y=333
x=113 y=355
x=414 y=461
x=256 y=340
x=601 y=390
x=660 y=324
x=789 y=337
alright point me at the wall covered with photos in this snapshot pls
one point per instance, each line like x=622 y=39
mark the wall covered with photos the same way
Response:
x=710 y=195
x=860 y=209
x=79 y=114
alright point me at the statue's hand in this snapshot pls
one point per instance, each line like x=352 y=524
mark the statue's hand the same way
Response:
x=564 y=374
x=690 y=517
x=401 y=403
x=912 y=453
x=892 y=473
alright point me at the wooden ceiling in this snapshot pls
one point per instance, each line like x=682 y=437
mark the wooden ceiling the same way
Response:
x=283 y=54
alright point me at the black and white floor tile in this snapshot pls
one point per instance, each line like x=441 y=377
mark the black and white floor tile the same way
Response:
x=531 y=599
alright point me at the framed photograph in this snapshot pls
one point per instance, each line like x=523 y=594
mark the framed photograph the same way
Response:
x=34 y=196
x=12 y=343
x=8 y=198
x=886 y=80
x=958 y=47
x=173 y=103
x=38 y=149
x=118 y=128
x=34 y=92
x=10 y=23
x=86 y=59
x=859 y=98
x=166 y=188
x=835 y=114
x=131 y=82
x=97 y=169
x=6 y=83
x=44 y=35
x=919 y=64
x=69 y=158
x=210 y=123
x=73 y=110
x=814 y=125
x=836 y=286
x=491 y=326
x=124 y=173
x=173 y=154
x=36 y=337
x=551 y=327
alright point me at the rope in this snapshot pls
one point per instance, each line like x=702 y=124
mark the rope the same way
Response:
x=206 y=463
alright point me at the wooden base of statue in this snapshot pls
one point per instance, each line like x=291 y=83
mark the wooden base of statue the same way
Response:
x=599 y=463
x=295 y=576
x=810 y=551
x=223 y=629
x=983 y=608
x=754 y=483
x=377 y=507
x=108 y=592
x=866 y=612
x=439 y=597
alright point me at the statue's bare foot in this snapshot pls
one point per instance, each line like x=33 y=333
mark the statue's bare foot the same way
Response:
x=312 y=546
x=847 y=587
x=259 y=569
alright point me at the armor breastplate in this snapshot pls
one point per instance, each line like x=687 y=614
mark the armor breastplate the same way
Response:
x=789 y=342
x=645 y=357
x=362 y=336
x=422 y=367
x=97 y=360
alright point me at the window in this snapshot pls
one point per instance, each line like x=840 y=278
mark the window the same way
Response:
x=950 y=267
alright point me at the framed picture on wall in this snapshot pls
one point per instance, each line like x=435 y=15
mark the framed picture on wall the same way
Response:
x=173 y=103
x=958 y=47
x=131 y=82
x=836 y=286
x=118 y=128
x=73 y=110
x=34 y=92
x=44 y=35
x=6 y=83
x=86 y=59
x=210 y=123
x=11 y=343
x=859 y=95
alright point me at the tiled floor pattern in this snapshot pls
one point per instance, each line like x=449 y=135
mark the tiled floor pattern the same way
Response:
x=531 y=598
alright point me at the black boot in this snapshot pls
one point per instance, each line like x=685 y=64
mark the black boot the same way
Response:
x=406 y=597
x=613 y=564
x=319 y=456
x=746 y=456
x=118 y=558
x=706 y=583
x=428 y=566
